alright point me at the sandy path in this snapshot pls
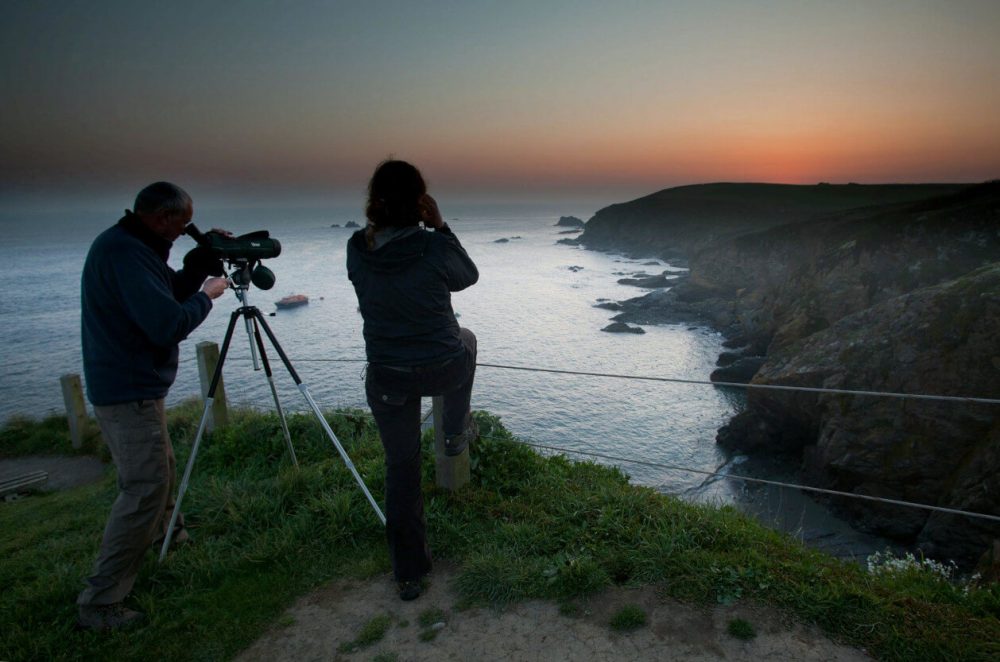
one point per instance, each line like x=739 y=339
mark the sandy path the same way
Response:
x=316 y=627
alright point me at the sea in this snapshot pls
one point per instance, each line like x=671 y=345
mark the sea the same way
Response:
x=533 y=307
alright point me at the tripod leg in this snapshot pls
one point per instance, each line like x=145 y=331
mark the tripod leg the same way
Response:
x=253 y=348
x=197 y=439
x=274 y=392
x=319 y=415
x=340 y=449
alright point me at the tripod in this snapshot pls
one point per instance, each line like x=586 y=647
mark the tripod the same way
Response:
x=254 y=320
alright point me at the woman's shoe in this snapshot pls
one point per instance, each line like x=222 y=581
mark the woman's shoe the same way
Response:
x=410 y=590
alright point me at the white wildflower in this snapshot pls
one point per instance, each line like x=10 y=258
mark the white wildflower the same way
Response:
x=883 y=563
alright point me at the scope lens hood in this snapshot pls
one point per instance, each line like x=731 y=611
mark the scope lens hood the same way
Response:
x=262 y=277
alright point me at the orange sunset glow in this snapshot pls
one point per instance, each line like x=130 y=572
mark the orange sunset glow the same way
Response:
x=563 y=99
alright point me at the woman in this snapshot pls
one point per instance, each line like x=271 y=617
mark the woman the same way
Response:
x=403 y=275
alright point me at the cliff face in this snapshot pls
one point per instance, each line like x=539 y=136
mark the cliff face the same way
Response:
x=941 y=339
x=902 y=297
x=787 y=282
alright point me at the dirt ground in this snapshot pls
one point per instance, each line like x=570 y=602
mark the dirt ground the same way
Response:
x=322 y=625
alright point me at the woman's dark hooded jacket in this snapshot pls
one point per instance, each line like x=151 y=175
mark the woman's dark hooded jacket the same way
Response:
x=404 y=291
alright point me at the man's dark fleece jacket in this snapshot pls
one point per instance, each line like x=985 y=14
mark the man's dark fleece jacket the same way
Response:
x=135 y=309
x=403 y=290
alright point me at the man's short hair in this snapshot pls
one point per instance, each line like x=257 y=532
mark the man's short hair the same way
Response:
x=162 y=197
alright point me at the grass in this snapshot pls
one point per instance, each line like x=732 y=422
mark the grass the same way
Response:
x=569 y=609
x=527 y=527
x=741 y=629
x=628 y=618
x=429 y=617
x=25 y=436
x=427 y=620
x=371 y=632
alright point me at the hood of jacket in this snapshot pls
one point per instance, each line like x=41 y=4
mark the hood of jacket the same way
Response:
x=395 y=255
x=132 y=224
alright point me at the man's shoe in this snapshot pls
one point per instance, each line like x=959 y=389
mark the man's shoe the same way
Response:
x=410 y=590
x=104 y=618
x=455 y=445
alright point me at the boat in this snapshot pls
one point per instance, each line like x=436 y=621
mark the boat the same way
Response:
x=292 y=301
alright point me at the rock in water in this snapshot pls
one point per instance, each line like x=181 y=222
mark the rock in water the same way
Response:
x=650 y=282
x=622 y=327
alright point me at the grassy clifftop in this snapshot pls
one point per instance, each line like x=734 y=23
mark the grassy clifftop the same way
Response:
x=528 y=526
x=678 y=221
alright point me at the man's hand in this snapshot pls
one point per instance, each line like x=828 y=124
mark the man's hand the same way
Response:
x=429 y=213
x=202 y=261
x=214 y=287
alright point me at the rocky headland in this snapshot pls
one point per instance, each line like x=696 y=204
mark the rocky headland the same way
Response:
x=875 y=288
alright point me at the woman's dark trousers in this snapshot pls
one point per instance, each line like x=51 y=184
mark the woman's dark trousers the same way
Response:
x=394 y=397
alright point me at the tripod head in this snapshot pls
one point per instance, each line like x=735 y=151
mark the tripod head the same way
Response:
x=247 y=271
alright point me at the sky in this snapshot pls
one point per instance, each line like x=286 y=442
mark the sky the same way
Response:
x=497 y=101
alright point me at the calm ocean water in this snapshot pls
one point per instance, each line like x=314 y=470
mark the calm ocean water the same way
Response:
x=528 y=309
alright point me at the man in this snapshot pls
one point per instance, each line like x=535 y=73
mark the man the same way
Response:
x=135 y=310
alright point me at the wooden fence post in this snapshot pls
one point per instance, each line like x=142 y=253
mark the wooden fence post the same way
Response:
x=208 y=358
x=76 y=410
x=451 y=472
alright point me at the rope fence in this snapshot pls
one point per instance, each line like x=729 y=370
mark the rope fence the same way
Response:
x=750 y=479
x=716 y=474
x=706 y=382
x=76 y=413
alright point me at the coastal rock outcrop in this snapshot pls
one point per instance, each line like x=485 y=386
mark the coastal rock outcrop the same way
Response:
x=896 y=297
x=939 y=340
x=740 y=371
x=570 y=221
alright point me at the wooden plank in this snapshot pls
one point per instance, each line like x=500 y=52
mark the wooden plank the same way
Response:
x=23 y=482
x=451 y=473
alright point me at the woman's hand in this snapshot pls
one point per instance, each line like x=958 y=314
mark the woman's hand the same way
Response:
x=429 y=213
